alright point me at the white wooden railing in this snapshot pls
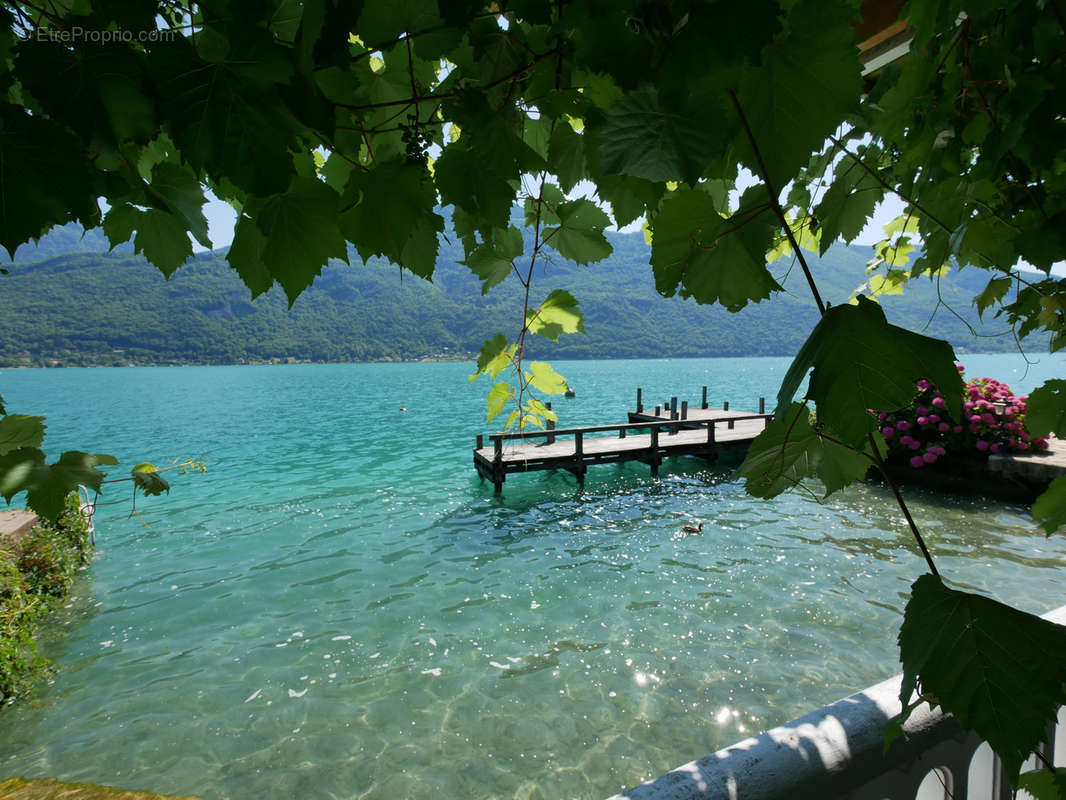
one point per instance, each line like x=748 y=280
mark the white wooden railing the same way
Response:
x=838 y=752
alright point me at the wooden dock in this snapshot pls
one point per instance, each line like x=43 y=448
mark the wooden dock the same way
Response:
x=647 y=437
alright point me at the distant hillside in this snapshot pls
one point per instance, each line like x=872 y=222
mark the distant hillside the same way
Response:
x=91 y=307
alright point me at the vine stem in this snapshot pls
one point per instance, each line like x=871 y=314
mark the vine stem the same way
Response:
x=775 y=204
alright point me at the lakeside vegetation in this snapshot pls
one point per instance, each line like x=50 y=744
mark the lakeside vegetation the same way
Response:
x=36 y=572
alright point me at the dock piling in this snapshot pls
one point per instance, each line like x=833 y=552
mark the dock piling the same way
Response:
x=480 y=441
x=640 y=403
x=762 y=405
x=684 y=409
x=725 y=406
x=703 y=402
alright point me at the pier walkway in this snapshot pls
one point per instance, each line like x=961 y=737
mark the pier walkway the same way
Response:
x=647 y=438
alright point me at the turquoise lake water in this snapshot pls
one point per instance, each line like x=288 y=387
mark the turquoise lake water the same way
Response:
x=340 y=608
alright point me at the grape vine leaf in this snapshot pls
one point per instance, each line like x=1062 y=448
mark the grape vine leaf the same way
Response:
x=246 y=256
x=994 y=291
x=493 y=259
x=714 y=259
x=1050 y=507
x=20 y=430
x=300 y=230
x=45 y=180
x=791 y=449
x=162 y=238
x=494 y=357
x=566 y=154
x=146 y=477
x=579 y=236
x=807 y=82
x=558 y=314
x=498 y=397
x=181 y=194
x=393 y=216
x=861 y=362
x=645 y=140
x=998 y=670
x=543 y=378
x=1045 y=784
x=1047 y=409
x=47 y=485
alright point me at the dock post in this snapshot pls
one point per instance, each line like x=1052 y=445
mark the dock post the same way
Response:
x=710 y=432
x=551 y=436
x=731 y=424
x=704 y=401
x=654 y=460
x=579 y=456
x=762 y=405
x=673 y=408
x=640 y=403
x=725 y=406
x=497 y=463
x=658 y=409
x=480 y=441
x=684 y=409
x=621 y=431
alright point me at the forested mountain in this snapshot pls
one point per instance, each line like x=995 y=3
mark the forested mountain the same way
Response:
x=69 y=302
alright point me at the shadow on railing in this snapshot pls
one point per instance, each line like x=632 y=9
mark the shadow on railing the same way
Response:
x=838 y=752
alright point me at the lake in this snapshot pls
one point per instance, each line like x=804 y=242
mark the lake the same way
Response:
x=340 y=608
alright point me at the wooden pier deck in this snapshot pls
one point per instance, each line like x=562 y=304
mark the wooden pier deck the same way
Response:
x=649 y=441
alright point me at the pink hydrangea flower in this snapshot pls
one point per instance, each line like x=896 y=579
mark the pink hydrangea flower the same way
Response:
x=943 y=427
x=939 y=402
x=923 y=420
x=917 y=461
x=929 y=458
x=982 y=445
x=903 y=425
x=887 y=431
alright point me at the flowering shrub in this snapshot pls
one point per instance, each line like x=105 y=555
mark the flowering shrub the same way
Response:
x=993 y=422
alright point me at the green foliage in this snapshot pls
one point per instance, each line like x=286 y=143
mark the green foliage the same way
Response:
x=35 y=572
x=1045 y=784
x=995 y=668
x=860 y=362
x=791 y=449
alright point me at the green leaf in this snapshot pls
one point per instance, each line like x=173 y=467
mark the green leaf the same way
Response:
x=45 y=180
x=17 y=468
x=566 y=155
x=998 y=670
x=493 y=260
x=645 y=140
x=995 y=291
x=20 y=430
x=146 y=477
x=808 y=82
x=3 y=409
x=1050 y=507
x=544 y=379
x=579 y=236
x=246 y=256
x=861 y=362
x=1047 y=409
x=181 y=194
x=47 y=485
x=848 y=204
x=558 y=314
x=714 y=259
x=301 y=235
x=120 y=223
x=790 y=450
x=485 y=196
x=228 y=118
x=394 y=216
x=500 y=394
x=1045 y=784
x=163 y=239
x=494 y=357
